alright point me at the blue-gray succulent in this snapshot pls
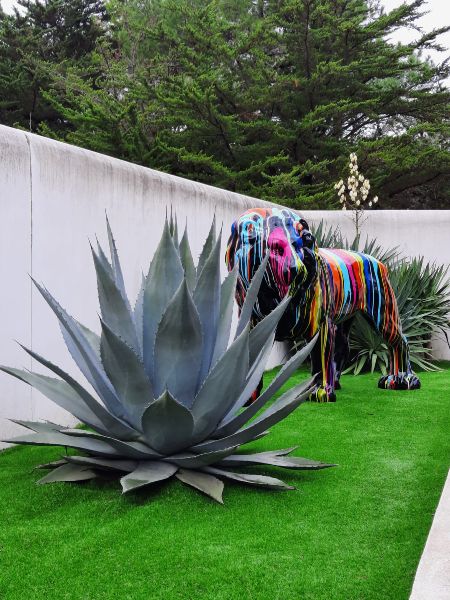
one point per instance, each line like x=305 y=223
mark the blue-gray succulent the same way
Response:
x=171 y=386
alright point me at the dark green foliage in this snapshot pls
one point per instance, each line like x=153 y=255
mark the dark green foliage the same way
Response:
x=265 y=98
x=355 y=532
x=39 y=42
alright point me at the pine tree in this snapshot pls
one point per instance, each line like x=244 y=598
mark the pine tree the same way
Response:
x=265 y=97
x=39 y=39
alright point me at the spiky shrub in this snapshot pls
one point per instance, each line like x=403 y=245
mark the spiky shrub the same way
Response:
x=172 y=387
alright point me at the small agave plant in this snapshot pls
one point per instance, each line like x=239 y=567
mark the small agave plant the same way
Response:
x=172 y=388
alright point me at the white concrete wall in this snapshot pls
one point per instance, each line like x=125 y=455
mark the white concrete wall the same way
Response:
x=53 y=198
x=15 y=264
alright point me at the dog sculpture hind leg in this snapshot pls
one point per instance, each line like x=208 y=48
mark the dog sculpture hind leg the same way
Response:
x=359 y=282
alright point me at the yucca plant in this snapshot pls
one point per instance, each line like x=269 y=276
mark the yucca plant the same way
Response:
x=368 y=349
x=171 y=386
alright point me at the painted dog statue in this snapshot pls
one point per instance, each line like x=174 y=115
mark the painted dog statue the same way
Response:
x=328 y=287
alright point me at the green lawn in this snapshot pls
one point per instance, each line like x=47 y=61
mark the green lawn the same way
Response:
x=354 y=532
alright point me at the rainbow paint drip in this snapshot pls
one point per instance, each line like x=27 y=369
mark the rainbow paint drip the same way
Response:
x=328 y=287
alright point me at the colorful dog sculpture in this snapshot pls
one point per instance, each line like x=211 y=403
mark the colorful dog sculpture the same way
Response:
x=328 y=287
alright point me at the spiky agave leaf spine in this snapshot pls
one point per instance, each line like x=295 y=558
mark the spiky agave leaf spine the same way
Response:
x=170 y=384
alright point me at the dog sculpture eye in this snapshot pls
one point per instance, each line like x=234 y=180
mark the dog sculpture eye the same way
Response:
x=248 y=234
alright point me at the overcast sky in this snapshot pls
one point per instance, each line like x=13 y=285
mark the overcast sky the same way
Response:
x=438 y=16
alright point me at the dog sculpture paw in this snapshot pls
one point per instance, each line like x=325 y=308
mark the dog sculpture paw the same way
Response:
x=323 y=394
x=402 y=381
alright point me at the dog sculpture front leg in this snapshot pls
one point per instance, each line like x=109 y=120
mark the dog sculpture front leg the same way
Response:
x=322 y=361
x=341 y=349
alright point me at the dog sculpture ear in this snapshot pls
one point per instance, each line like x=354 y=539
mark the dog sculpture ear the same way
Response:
x=308 y=240
x=304 y=224
x=231 y=245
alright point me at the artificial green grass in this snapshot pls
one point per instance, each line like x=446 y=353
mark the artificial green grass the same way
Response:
x=354 y=532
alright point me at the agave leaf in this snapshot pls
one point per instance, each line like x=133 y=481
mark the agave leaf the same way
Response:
x=97 y=447
x=258 y=436
x=175 y=234
x=116 y=268
x=207 y=301
x=272 y=458
x=68 y=473
x=59 y=392
x=256 y=480
x=127 y=374
x=146 y=473
x=178 y=348
x=252 y=295
x=207 y=247
x=359 y=366
x=37 y=426
x=138 y=315
x=254 y=377
x=265 y=328
x=167 y=424
x=224 y=382
x=234 y=420
x=173 y=228
x=171 y=224
x=135 y=450
x=110 y=424
x=104 y=260
x=52 y=465
x=116 y=311
x=92 y=337
x=164 y=278
x=290 y=367
x=282 y=452
x=187 y=261
x=285 y=404
x=227 y=293
x=85 y=357
x=103 y=463
x=189 y=460
x=208 y=484
x=374 y=362
x=282 y=407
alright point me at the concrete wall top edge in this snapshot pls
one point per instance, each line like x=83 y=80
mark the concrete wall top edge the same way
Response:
x=10 y=136
x=40 y=143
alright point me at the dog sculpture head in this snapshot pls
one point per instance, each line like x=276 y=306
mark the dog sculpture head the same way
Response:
x=292 y=265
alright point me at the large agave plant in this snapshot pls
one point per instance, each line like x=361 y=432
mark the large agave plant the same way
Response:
x=172 y=387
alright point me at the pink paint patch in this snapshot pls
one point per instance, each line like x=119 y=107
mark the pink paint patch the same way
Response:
x=280 y=259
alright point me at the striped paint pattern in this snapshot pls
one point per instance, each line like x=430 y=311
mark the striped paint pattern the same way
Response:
x=328 y=286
